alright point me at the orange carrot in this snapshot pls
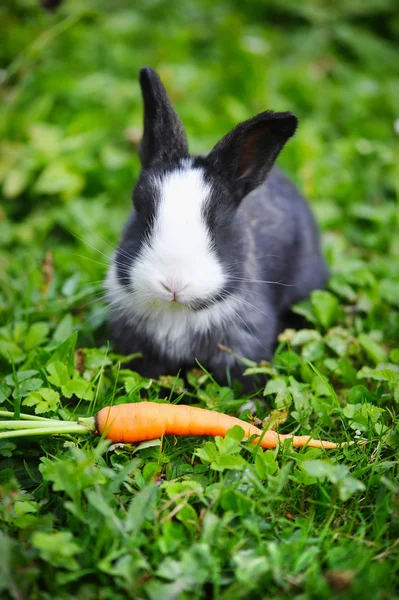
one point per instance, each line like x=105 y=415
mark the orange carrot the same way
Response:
x=142 y=421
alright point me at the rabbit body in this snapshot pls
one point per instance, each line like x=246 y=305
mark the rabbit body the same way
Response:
x=216 y=251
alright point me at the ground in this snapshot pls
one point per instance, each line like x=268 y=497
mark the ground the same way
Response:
x=190 y=518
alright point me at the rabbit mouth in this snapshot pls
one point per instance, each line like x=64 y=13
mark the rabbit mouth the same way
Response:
x=196 y=305
x=174 y=297
x=177 y=304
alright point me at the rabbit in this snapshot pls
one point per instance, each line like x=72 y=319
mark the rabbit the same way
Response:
x=217 y=250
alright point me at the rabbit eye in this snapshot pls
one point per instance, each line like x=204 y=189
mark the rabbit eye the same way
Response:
x=214 y=235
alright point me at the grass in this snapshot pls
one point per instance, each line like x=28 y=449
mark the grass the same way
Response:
x=190 y=518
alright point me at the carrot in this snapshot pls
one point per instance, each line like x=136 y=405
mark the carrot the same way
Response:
x=142 y=421
x=148 y=420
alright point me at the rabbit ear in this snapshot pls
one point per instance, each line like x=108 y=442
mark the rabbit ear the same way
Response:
x=244 y=156
x=164 y=139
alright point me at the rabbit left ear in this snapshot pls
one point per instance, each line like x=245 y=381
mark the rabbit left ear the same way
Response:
x=164 y=139
x=244 y=157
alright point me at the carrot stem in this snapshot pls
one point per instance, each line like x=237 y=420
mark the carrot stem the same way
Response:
x=33 y=425
x=52 y=424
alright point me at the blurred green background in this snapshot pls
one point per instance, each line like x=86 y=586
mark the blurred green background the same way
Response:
x=70 y=123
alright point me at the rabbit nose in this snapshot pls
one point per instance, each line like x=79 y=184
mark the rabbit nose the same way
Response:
x=173 y=288
x=168 y=289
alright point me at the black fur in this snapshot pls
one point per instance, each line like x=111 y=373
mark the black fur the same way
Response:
x=264 y=235
x=164 y=140
x=244 y=157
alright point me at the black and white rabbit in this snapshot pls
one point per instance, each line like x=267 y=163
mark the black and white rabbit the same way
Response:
x=217 y=249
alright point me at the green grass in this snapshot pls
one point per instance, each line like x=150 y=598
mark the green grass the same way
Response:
x=193 y=518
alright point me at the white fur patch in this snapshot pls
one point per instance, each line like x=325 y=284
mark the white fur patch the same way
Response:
x=179 y=257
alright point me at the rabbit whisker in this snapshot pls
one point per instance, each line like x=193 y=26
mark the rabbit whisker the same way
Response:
x=247 y=327
x=263 y=281
x=248 y=304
